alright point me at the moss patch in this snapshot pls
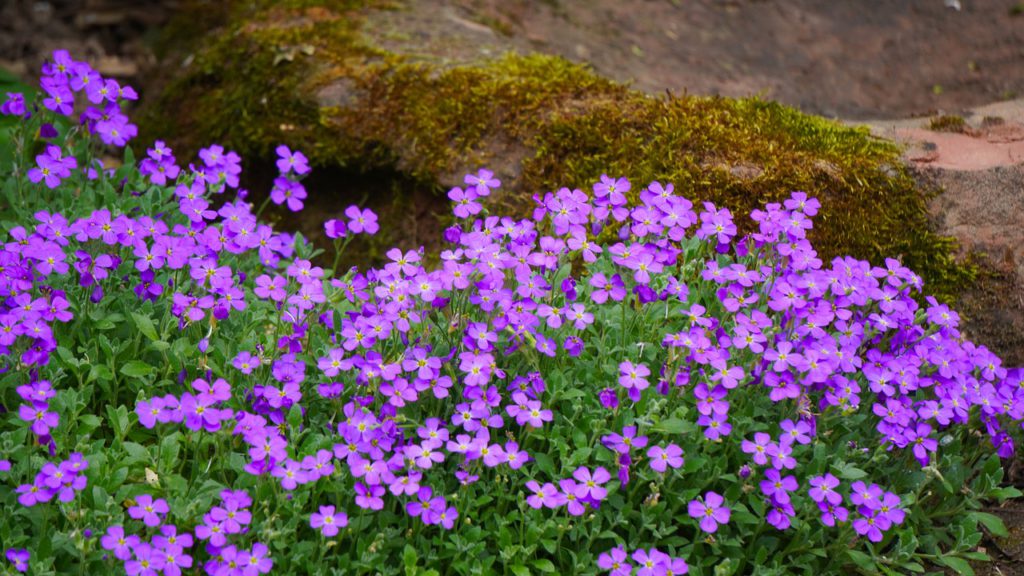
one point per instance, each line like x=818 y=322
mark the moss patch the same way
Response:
x=948 y=123
x=309 y=74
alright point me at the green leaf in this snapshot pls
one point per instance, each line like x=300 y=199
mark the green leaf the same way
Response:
x=544 y=565
x=114 y=480
x=959 y=565
x=100 y=372
x=1005 y=493
x=992 y=523
x=87 y=423
x=849 y=471
x=862 y=560
x=409 y=558
x=544 y=463
x=159 y=346
x=99 y=496
x=118 y=419
x=520 y=570
x=66 y=357
x=136 y=452
x=145 y=325
x=295 y=417
x=170 y=447
x=136 y=369
x=673 y=426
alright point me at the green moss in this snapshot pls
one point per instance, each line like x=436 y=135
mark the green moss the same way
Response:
x=549 y=122
x=947 y=123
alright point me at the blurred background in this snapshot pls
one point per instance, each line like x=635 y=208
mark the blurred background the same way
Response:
x=855 y=59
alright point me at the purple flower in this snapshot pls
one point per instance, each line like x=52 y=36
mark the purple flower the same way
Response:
x=38 y=414
x=52 y=167
x=369 y=497
x=465 y=202
x=148 y=561
x=871 y=524
x=14 y=105
x=289 y=161
x=483 y=182
x=782 y=455
x=149 y=510
x=831 y=514
x=447 y=517
x=799 y=432
x=632 y=377
x=19 y=558
x=725 y=375
x=662 y=458
x=625 y=442
x=776 y=487
x=779 y=514
x=361 y=221
x=288 y=191
x=546 y=496
x=616 y=561
x=889 y=508
x=327 y=521
x=609 y=399
x=335 y=229
x=869 y=497
x=175 y=559
x=591 y=485
x=255 y=561
x=605 y=288
x=758 y=448
x=823 y=489
x=710 y=511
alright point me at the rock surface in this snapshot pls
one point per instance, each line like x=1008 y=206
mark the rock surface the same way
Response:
x=980 y=170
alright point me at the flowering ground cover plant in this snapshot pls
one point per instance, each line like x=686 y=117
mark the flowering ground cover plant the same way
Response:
x=621 y=383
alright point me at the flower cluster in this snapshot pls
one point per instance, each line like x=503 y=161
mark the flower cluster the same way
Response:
x=651 y=562
x=62 y=480
x=878 y=510
x=287 y=188
x=63 y=78
x=196 y=411
x=501 y=382
x=585 y=489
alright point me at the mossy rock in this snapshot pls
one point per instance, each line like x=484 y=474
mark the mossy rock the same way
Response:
x=317 y=75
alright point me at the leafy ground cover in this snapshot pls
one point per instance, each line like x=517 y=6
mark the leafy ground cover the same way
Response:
x=622 y=383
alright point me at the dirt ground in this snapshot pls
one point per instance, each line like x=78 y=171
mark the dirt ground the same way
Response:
x=115 y=36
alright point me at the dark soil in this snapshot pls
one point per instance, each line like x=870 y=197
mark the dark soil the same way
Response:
x=114 y=36
x=1007 y=553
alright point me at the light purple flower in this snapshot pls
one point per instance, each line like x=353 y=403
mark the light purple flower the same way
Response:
x=327 y=521
x=710 y=510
